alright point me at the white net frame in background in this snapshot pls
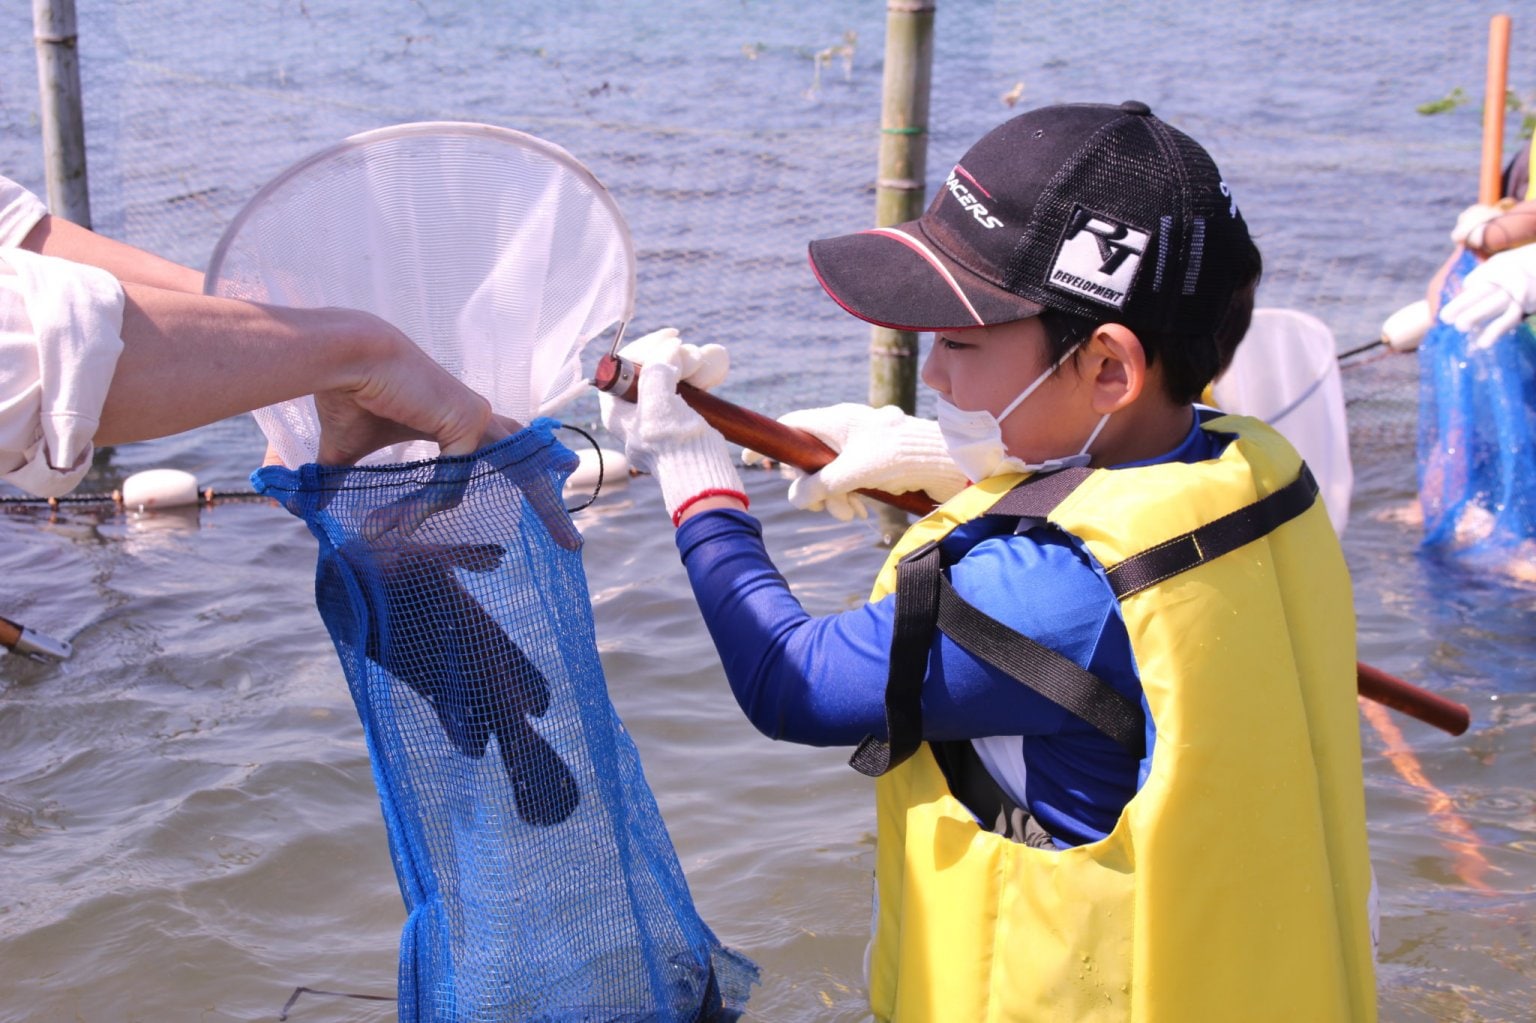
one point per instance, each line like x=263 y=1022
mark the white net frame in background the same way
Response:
x=1286 y=372
x=497 y=252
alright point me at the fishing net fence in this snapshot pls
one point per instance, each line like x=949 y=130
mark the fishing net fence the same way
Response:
x=730 y=135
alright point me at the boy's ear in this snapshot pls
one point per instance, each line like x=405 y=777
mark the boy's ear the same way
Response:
x=1115 y=365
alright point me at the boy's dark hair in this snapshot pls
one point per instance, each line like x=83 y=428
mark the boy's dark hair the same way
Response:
x=1189 y=360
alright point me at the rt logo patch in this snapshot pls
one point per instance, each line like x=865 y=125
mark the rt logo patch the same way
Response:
x=1098 y=258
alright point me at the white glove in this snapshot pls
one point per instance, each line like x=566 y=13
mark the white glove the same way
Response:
x=1495 y=297
x=878 y=449
x=703 y=366
x=1470 y=223
x=661 y=434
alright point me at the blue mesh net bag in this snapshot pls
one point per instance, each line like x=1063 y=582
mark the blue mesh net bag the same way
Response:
x=539 y=879
x=1477 y=440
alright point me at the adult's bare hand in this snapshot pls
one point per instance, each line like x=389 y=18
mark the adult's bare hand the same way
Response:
x=191 y=359
x=392 y=392
x=400 y=394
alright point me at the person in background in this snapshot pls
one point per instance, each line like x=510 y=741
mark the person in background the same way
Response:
x=1501 y=291
x=1508 y=223
x=1107 y=689
x=102 y=343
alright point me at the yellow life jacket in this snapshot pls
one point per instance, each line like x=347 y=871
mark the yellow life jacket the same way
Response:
x=1234 y=884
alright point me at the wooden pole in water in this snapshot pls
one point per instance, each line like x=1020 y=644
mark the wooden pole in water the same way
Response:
x=900 y=187
x=58 y=81
x=900 y=190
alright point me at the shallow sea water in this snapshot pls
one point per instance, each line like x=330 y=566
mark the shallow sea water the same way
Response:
x=188 y=827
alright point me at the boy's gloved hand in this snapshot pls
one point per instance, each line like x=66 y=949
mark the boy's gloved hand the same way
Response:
x=703 y=366
x=661 y=434
x=1495 y=297
x=878 y=449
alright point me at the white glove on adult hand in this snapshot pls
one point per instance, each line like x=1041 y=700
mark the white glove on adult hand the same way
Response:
x=1470 y=223
x=661 y=434
x=878 y=449
x=1495 y=297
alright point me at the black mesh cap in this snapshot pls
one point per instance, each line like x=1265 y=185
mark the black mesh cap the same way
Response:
x=1100 y=211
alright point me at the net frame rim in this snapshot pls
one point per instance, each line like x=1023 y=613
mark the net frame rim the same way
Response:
x=426 y=129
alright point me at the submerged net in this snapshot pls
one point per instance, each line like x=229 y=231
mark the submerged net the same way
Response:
x=539 y=879
x=1477 y=439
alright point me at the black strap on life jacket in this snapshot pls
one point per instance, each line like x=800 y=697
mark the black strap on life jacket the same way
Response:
x=925 y=601
x=1215 y=538
x=917 y=602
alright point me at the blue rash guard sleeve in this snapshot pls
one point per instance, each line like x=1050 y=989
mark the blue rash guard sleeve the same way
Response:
x=821 y=680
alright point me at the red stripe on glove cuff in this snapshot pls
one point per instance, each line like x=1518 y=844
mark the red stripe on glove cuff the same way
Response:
x=677 y=516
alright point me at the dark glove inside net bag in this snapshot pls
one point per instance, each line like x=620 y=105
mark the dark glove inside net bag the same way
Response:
x=539 y=880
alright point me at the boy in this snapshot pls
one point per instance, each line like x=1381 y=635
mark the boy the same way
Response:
x=1107 y=689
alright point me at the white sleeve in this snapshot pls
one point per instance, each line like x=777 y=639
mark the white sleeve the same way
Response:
x=20 y=211
x=60 y=336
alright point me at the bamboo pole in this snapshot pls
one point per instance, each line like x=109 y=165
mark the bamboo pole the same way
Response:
x=58 y=80
x=900 y=187
x=900 y=191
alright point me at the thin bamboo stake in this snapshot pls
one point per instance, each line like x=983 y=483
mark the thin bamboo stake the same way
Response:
x=900 y=187
x=58 y=81
x=900 y=190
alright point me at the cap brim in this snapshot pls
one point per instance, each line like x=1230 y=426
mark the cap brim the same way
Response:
x=895 y=277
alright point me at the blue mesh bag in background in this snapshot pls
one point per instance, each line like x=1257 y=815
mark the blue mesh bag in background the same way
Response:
x=539 y=880
x=1477 y=439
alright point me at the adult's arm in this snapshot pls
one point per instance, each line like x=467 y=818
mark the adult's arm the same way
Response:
x=137 y=352
x=88 y=360
x=55 y=236
x=1516 y=227
x=26 y=223
x=189 y=359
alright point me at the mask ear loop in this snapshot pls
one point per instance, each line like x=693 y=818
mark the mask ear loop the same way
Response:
x=1095 y=434
x=597 y=488
x=1042 y=378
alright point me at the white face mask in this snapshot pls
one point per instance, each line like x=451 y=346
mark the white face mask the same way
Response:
x=975 y=439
